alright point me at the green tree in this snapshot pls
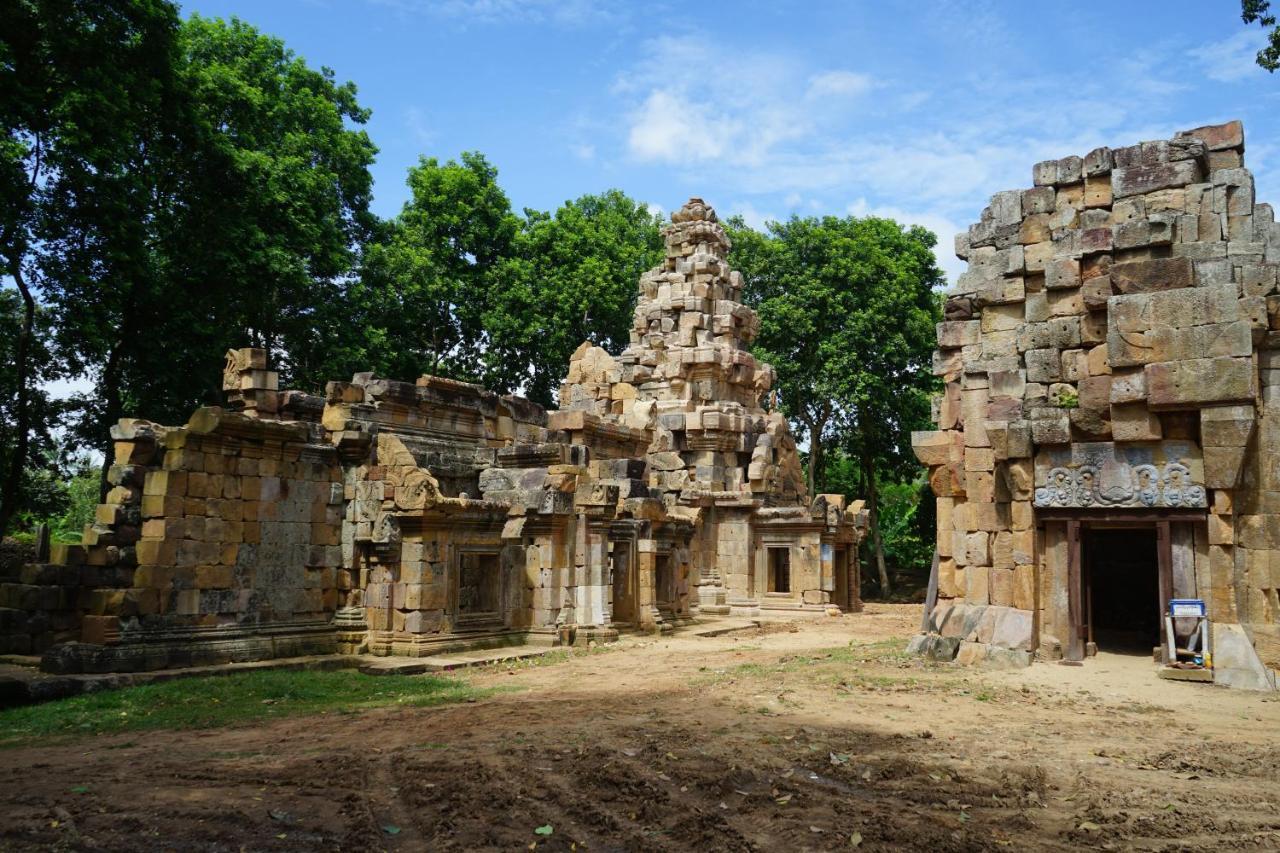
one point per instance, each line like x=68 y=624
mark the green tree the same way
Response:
x=192 y=186
x=78 y=82
x=847 y=310
x=39 y=475
x=1259 y=12
x=281 y=192
x=460 y=286
x=571 y=278
x=423 y=283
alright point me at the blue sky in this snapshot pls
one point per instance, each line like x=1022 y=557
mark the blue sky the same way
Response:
x=918 y=110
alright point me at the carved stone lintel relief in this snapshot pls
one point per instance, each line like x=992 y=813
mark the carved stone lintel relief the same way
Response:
x=1118 y=484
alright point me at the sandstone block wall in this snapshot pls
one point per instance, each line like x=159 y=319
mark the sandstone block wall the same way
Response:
x=1109 y=348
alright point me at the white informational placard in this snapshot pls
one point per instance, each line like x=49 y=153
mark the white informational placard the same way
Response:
x=1182 y=607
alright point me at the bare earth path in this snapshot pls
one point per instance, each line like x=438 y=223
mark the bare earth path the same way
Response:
x=821 y=736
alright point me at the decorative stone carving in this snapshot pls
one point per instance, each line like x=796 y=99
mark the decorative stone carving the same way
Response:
x=1125 y=485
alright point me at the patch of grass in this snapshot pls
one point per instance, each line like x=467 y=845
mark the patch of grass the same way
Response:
x=202 y=703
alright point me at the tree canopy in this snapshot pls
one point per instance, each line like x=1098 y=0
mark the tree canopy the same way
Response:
x=170 y=189
x=461 y=286
x=1259 y=12
x=848 y=308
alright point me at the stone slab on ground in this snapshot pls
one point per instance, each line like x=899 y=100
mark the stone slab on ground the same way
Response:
x=453 y=660
x=724 y=627
x=1170 y=673
x=1236 y=663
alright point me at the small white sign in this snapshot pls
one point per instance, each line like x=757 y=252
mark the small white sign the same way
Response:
x=1180 y=607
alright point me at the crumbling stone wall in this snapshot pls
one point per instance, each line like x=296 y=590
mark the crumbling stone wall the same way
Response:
x=408 y=518
x=1110 y=347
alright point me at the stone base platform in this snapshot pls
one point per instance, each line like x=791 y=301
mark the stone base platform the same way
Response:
x=193 y=647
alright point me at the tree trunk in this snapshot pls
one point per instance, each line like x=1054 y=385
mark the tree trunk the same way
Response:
x=12 y=488
x=111 y=412
x=816 y=458
x=873 y=516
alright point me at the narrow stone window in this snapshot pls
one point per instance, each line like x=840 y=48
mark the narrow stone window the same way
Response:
x=780 y=569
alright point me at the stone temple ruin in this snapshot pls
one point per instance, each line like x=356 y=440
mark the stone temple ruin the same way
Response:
x=408 y=519
x=1109 y=432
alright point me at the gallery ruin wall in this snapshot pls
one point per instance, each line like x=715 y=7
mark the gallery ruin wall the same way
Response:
x=401 y=518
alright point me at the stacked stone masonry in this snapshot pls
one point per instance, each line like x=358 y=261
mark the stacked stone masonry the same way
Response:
x=401 y=518
x=1113 y=350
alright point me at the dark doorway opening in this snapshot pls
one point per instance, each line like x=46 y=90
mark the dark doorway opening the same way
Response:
x=1122 y=589
x=664 y=586
x=624 y=598
x=780 y=570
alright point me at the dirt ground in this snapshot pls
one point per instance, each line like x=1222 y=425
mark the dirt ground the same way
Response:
x=816 y=736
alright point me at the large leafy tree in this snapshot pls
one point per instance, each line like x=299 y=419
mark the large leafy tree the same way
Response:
x=81 y=84
x=1259 y=12
x=282 y=203
x=423 y=285
x=38 y=458
x=847 y=309
x=572 y=277
x=189 y=186
x=461 y=286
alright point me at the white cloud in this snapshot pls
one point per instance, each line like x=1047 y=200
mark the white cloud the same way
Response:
x=672 y=128
x=1233 y=58
x=569 y=13
x=792 y=135
x=416 y=121
x=741 y=114
x=753 y=216
x=583 y=151
x=844 y=84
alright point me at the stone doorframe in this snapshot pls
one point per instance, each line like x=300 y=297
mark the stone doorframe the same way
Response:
x=1077 y=521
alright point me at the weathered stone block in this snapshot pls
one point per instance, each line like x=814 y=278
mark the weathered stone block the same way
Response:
x=952 y=335
x=1218 y=137
x=932 y=447
x=1043 y=365
x=1148 y=276
x=1051 y=430
x=1138 y=180
x=1219 y=339
x=1198 y=381
x=1222 y=466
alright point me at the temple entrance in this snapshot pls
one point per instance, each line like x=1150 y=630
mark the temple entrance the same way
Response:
x=1122 y=589
x=1119 y=576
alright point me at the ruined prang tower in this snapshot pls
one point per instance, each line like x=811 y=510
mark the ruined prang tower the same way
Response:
x=717 y=454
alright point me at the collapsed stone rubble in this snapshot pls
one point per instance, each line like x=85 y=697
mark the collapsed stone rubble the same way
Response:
x=401 y=518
